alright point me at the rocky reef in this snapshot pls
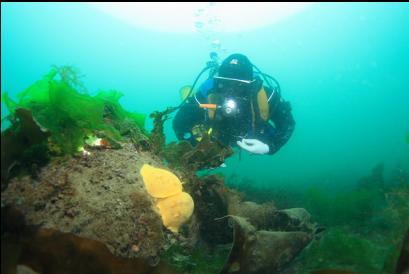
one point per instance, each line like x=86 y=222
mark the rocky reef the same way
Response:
x=89 y=197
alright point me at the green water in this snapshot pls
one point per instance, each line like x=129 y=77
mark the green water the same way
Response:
x=343 y=66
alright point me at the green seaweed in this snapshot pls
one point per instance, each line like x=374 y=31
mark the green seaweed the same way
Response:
x=377 y=219
x=364 y=225
x=199 y=260
x=116 y=114
x=340 y=249
x=55 y=115
x=356 y=208
x=60 y=104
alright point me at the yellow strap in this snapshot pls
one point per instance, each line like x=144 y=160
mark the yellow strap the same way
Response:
x=262 y=102
x=211 y=100
x=210 y=106
x=253 y=116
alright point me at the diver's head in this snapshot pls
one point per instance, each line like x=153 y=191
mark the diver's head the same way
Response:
x=237 y=66
x=235 y=77
x=234 y=85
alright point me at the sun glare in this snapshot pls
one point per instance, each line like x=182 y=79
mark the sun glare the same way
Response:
x=201 y=16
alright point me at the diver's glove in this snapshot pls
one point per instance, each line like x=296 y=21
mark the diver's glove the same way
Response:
x=254 y=146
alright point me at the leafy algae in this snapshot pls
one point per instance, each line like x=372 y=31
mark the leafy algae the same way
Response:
x=60 y=105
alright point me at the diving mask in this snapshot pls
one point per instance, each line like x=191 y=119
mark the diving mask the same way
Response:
x=232 y=87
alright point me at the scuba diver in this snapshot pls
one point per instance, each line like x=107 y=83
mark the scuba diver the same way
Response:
x=237 y=106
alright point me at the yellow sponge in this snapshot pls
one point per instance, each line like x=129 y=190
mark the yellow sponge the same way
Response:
x=175 y=206
x=160 y=183
x=175 y=210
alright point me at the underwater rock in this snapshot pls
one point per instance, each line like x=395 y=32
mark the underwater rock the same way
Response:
x=12 y=220
x=259 y=215
x=266 y=216
x=293 y=219
x=100 y=197
x=262 y=251
x=265 y=239
x=24 y=132
x=48 y=251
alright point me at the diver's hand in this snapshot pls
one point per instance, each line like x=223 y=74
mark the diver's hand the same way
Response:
x=253 y=146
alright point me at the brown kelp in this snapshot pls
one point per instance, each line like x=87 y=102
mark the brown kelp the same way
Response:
x=261 y=251
x=157 y=137
x=206 y=154
x=21 y=142
x=49 y=251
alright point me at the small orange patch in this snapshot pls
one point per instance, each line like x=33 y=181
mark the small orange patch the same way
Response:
x=105 y=143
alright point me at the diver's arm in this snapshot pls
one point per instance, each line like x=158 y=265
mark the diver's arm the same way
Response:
x=281 y=115
x=186 y=117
